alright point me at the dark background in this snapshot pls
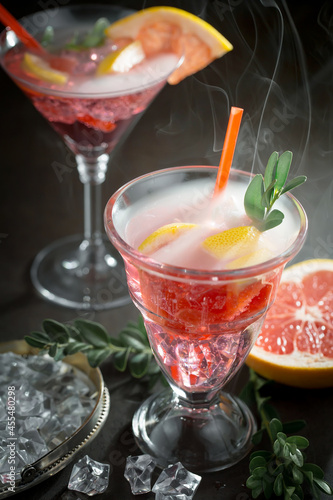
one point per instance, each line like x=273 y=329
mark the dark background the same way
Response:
x=280 y=72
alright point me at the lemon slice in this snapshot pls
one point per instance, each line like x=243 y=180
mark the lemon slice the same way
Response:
x=237 y=243
x=197 y=41
x=251 y=259
x=164 y=235
x=41 y=69
x=122 y=60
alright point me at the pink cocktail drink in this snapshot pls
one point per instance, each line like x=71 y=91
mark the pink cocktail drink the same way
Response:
x=202 y=313
x=74 y=86
x=90 y=111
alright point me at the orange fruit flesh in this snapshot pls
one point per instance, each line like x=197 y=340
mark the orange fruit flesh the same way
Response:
x=295 y=346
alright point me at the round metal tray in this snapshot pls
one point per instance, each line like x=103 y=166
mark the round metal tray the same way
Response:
x=59 y=457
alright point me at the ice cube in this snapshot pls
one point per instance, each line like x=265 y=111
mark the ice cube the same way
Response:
x=89 y=477
x=29 y=401
x=177 y=482
x=31 y=446
x=138 y=472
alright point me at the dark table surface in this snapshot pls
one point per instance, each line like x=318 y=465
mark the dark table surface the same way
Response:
x=280 y=72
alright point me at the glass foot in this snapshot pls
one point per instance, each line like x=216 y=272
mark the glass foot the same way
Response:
x=203 y=438
x=75 y=274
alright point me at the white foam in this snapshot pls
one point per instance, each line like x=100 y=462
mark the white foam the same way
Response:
x=193 y=204
x=140 y=77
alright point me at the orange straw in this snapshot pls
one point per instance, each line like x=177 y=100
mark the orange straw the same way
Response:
x=228 y=149
x=8 y=20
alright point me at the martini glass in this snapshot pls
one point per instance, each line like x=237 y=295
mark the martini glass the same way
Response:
x=201 y=323
x=84 y=271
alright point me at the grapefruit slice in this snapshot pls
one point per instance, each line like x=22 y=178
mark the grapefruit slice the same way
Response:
x=295 y=346
x=164 y=235
x=165 y=29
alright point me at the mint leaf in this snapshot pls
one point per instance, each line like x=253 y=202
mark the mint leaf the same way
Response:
x=282 y=169
x=273 y=219
x=263 y=192
x=270 y=171
x=294 y=183
x=253 y=196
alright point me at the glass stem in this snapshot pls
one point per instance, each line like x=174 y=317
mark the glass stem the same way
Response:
x=92 y=173
x=92 y=211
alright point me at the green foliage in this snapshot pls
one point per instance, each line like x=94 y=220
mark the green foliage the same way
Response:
x=48 y=36
x=130 y=351
x=281 y=471
x=94 y=38
x=263 y=192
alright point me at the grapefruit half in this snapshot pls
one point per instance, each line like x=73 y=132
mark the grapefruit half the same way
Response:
x=295 y=346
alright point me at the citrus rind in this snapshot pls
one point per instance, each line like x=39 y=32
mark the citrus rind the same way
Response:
x=232 y=243
x=40 y=68
x=121 y=60
x=164 y=235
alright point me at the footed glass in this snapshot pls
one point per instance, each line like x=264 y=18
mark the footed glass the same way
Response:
x=92 y=115
x=201 y=325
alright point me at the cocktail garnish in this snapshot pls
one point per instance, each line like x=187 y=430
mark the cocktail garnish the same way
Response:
x=39 y=67
x=169 y=29
x=164 y=235
x=228 y=149
x=122 y=60
x=263 y=192
x=94 y=38
x=48 y=36
x=238 y=247
x=230 y=240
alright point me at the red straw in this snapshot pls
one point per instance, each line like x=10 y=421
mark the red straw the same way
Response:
x=8 y=20
x=228 y=149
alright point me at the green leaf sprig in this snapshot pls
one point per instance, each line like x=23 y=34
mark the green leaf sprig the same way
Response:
x=281 y=471
x=94 y=38
x=48 y=36
x=264 y=191
x=131 y=350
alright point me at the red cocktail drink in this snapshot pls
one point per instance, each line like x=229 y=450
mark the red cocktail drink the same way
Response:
x=202 y=313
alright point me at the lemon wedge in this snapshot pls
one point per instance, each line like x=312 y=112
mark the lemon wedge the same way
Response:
x=176 y=30
x=251 y=259
x=236 y=244
x=41 y=69
x=122 y=60
x=164 y=235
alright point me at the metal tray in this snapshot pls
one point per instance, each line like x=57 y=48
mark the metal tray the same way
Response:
x=59 y=457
